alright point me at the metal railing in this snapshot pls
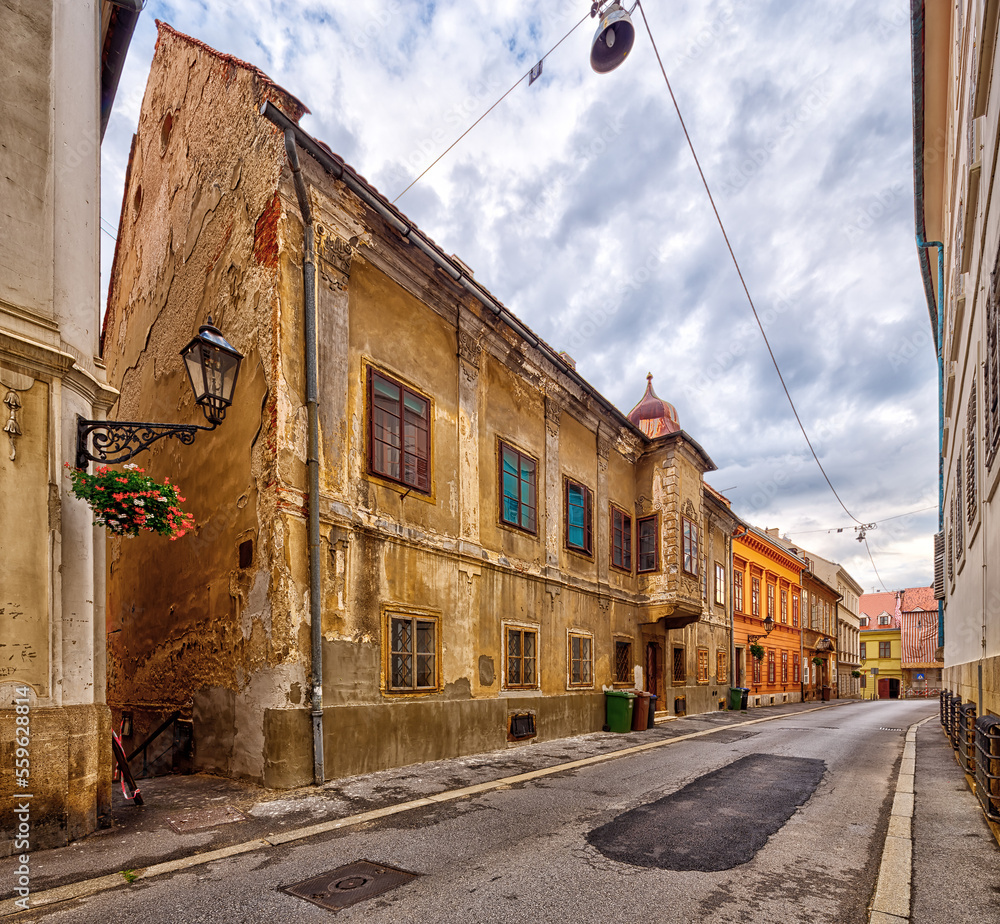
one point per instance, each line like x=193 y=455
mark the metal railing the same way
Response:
x=180 y=742
x=967 y=737
x=988 y=765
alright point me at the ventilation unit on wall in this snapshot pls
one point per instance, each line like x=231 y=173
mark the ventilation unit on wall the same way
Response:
x=521 y=726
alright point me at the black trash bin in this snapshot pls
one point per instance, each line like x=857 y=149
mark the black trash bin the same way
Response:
x=652 y=709
x=744 y=698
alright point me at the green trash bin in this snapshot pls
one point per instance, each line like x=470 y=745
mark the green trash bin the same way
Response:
x=735 y=697
x=619 y=710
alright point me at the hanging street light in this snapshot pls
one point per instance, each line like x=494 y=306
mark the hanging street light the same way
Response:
x=614 y=39
x=213 y=365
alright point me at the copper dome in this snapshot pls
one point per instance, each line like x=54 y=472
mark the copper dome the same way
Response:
x=654 y=416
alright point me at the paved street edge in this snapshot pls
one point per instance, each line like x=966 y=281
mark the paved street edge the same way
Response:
x=87 y=887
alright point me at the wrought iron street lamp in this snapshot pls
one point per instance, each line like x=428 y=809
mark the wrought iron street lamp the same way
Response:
x=768 y=626
x=213 y=365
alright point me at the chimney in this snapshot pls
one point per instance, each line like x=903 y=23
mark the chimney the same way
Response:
x=773 y=532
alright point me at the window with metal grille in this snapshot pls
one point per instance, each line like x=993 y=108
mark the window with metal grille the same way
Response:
x=648 y=536
x=971 y=494
x=518 y=498
x=623 y=661
x=702 y=665
x=770 y=665
x=399 y=433
x=412 y=653
x=721 y=674
x=621 y=539
x=581 y=660
x=579 y=531
x=680 y=668
x=521 y=658
x=738 y=591
x=885 y=649
x=689 y=537
x=784 y=667
x=755 y=596
x=720 y=584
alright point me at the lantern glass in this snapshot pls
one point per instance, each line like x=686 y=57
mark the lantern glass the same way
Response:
x=213 y=366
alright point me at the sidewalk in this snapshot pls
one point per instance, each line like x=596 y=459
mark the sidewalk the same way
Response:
x=190 y=820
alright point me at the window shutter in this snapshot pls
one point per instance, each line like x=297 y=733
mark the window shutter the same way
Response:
x=938 y=566
x=970 y=459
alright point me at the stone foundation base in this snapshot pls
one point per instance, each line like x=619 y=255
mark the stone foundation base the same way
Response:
x=963 y=680
x=69 y=784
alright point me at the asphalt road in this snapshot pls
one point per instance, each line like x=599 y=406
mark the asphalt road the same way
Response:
x=777 y=822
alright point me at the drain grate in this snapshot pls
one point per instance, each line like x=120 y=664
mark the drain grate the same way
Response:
x=349 y=884
x=885 y=728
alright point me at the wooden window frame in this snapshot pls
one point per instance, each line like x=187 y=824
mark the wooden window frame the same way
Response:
x=784 y=667
x=522 y=630
x=720 y=584
x=796 y=669
x=863 y=651
x=639 y=523
x=421 y=485
x=627 y=677
x=755 y=596
x=771 y=611
x=522 y=505
x=588 y=518
x=581 y=636
x=784 y=605
x=885 y=650
x=621 y=539
x=795 y=609
x=770 y=666
x=721 y=665
x=738 y=598
x=690 y=548
x=701 y=666
x=757 y=671
x=391 y=653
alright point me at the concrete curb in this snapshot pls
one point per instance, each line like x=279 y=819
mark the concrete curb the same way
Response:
x=892 y=893
x=88 y=887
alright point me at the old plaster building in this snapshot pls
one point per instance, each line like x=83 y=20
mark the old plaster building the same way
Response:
x=420 y=532
x=956 y=115
x=881 y=645
x=848 y=623
x=61 y=63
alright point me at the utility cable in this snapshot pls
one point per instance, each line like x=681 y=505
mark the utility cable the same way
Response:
x=739 y=272
x=872 y=560
x=830 y=529
x=519 y=81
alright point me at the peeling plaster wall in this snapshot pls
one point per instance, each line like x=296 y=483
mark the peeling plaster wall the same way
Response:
x=188 y=628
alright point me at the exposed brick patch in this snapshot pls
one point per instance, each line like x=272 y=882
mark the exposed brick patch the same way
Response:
x=265 y=234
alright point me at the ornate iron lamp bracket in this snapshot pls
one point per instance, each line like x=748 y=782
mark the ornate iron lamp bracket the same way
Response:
x=119 y=440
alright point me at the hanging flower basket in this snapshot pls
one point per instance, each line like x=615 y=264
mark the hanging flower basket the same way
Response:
x=817 y=661
x=757 y=651
x=125 y=502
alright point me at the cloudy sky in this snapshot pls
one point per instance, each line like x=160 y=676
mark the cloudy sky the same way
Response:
x=577 y=203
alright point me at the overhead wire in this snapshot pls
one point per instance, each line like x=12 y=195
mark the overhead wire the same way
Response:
x=736 y=264
x=488 y=111
x=831 y=529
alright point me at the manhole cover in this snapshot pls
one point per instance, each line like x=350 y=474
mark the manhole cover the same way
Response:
x=198 y=818
x=349 y=884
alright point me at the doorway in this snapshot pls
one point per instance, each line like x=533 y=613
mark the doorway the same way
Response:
x=654 y=667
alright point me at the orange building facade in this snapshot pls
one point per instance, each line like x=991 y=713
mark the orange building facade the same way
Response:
x=767 y=612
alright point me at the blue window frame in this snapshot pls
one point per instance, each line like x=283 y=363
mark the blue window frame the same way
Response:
x=579 y=529
x=518 y=489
